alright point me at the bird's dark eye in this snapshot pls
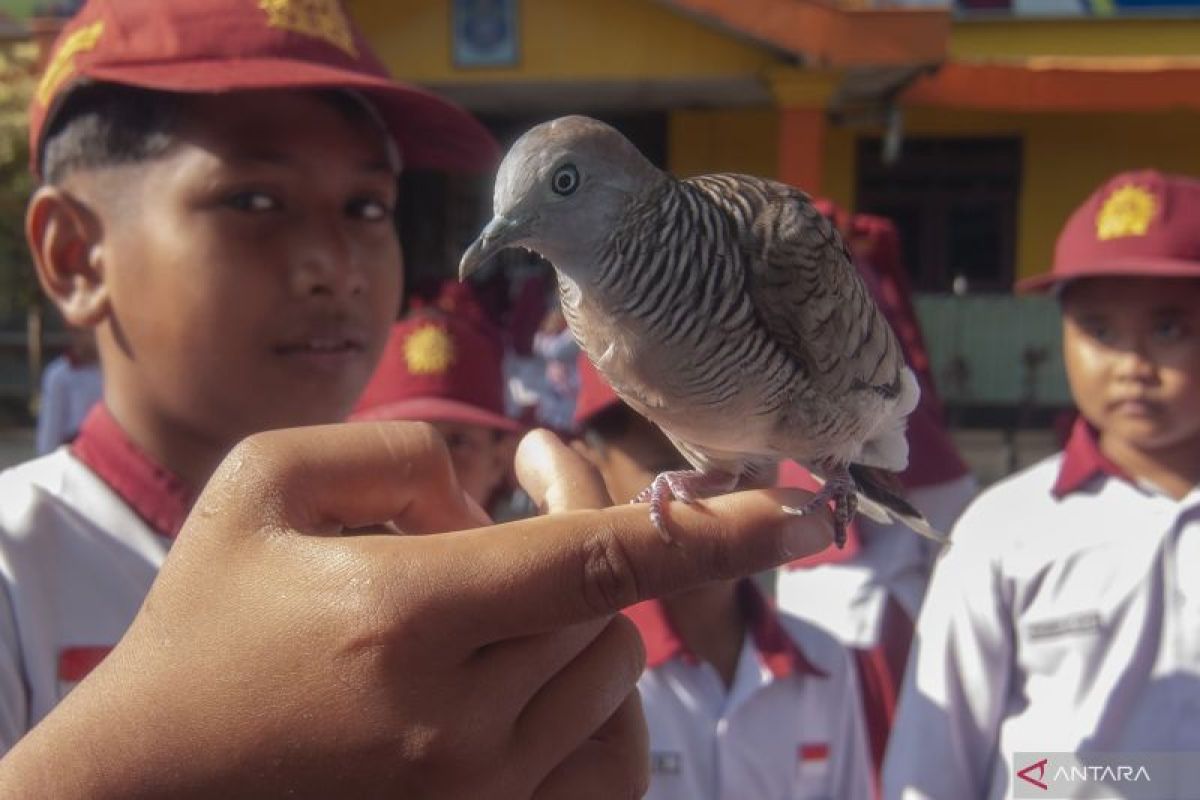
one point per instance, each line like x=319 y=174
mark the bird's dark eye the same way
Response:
x=566 y=179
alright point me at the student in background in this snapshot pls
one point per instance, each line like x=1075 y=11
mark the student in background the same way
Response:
x=71 y=385
x=444 y=369
x=1063 y=618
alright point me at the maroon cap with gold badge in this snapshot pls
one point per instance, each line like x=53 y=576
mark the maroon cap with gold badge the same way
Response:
x=1138 y=224
x=236 y=45
x=438 y=368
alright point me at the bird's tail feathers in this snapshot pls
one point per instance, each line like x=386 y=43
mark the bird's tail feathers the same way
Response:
x=879 y=497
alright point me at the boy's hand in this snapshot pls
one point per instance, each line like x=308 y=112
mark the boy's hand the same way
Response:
x=274 y=657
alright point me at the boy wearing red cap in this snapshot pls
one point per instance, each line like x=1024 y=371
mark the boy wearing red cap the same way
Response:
x=1064 y=617
x=741 y=700
x=442 y=369
x=218 y=181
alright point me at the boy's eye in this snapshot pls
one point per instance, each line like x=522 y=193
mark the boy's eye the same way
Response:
x=1097 y=329
x=1169 y=330
x=370 y=209
x=253 y=201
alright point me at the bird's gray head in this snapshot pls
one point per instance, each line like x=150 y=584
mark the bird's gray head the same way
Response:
x=559 y=191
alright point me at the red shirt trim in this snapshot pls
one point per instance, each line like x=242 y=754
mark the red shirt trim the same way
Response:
x=1082 y=461
x=74 y=663
x=778 y=651
x=155 y=494
x=881 y=675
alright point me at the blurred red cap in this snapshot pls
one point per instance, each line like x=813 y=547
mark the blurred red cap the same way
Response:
x=438 y=368
x=1140 y=224
x=457 y=299
x=595 y=395
x=232 y=45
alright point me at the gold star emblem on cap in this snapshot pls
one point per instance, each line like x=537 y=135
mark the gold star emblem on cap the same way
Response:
x=62 y=64
x=429 y=350
x=321 y=19
x=1127 y=212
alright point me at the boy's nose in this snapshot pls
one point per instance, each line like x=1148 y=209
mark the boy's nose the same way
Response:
x=1134 y=364
x=326 y=263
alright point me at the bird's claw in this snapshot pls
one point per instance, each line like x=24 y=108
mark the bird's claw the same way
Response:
x=683 y=485
x=844 y=496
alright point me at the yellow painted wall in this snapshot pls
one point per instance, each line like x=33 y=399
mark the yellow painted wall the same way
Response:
x=1065 y=157
x=562 y=40
x=723 y=140
x=1074 y=37
x=840 y=174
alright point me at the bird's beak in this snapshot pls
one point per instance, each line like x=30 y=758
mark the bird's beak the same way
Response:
x=500 y=233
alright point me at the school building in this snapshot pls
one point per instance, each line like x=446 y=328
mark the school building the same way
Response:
x=977 y=128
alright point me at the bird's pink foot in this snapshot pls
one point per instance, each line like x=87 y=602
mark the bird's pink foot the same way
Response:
x=686 y=485
x=842 y=491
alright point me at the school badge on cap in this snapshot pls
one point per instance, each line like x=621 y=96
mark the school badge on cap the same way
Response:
x=438 y=367
x=429 y=350
x=1127 y=212
x=1143 y=223
x=321 y=19
x=214 y=46
x=62 y=64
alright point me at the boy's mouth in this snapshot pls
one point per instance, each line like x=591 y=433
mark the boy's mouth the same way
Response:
x=327 y=354
x=1134 y=406
x=321 y=345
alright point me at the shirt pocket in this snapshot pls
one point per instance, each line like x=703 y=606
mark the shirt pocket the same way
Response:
x=1082 y=604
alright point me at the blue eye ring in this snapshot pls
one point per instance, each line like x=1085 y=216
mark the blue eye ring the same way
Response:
x=565 y=180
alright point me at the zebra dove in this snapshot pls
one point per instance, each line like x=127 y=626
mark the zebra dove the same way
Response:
x=725 y=308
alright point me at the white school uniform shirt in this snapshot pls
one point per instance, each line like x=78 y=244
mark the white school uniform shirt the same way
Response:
x=1064 y=617
x=77 y=557
x=848 y=596
x=789 y=728
x=868 y=595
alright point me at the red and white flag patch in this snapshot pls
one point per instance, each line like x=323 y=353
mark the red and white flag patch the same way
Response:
x=812 y=758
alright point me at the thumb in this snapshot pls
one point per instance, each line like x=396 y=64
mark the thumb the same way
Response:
x=325 y=479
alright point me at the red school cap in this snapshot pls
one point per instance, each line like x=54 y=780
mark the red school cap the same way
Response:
x=1137 y=224
x=438 y=367
x=595 y=394
x=210 y=46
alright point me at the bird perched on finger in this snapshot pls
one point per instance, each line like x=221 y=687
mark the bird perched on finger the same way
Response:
x=725 y=308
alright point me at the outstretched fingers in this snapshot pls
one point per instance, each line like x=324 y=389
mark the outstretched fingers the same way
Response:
x=583 y=565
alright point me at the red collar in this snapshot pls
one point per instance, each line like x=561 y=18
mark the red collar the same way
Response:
x=1082 y=461
x=156 y=495
x=778 y=651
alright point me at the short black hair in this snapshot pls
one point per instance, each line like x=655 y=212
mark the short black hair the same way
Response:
x=105 y=124
x=609 y=423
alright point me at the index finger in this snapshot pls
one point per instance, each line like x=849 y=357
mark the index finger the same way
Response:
x=556 y=477
x=567 y=568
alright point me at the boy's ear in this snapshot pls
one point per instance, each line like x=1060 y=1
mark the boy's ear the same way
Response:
x=64 y=237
